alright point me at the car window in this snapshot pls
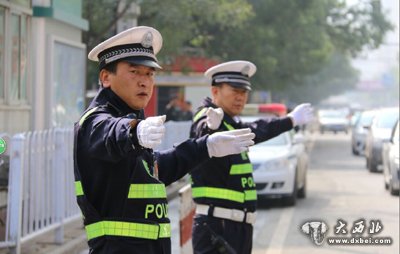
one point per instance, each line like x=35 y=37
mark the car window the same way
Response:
x=387 y=118
x=366 y=118
x=331 y=113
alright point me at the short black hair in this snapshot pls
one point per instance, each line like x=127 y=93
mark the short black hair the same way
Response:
x=111 y=67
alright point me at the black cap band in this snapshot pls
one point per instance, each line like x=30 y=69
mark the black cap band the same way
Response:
x=236 y=78
x=128 y=51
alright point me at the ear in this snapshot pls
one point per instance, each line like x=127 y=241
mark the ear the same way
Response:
x=214 y=91
x=306 y=228
x=104 y=77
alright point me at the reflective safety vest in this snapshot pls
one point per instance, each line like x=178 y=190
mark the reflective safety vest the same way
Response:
x=130 y=229
x=147 y=189
x=240 y=172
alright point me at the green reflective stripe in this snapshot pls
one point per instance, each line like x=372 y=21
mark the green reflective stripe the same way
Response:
x=83 y=118
x=211 y=192
x=165 y=230
x=241 y=169
x=228 y=126
x=147 y=191
x=250 y=195
x=130 y=229
x=78 y=188
x=146 y=166
x=199 y=114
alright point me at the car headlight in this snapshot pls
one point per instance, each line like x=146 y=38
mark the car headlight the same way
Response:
x=276 y=164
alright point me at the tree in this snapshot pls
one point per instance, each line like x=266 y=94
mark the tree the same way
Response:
x=103 y=16
x=291 y=42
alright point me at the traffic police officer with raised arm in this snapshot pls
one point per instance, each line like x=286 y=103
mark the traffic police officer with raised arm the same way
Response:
x=120 y=180
x=223 y=188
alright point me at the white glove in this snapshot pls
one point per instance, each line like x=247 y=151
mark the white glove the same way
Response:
x=302 y=114
x=214 y=117
x=226 y=143
x=151 y=131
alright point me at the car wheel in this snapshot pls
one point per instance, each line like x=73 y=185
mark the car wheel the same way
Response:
x=354 y=151
x=393 y=191
x=302 y=191
x=291 y=199
x=372 y=166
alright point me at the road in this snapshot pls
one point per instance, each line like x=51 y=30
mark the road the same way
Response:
x=339 y=187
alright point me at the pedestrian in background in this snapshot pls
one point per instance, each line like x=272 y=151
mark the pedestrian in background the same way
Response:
x=187 y=113
x=173 y=110
x=223 y=188
x=120 y=180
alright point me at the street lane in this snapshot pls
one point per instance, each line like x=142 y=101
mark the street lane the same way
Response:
x=339 y=187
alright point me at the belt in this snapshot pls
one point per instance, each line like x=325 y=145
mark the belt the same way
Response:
x=128 y=229
x=225 y=213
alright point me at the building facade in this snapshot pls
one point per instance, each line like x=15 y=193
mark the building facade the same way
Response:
x=42 y=63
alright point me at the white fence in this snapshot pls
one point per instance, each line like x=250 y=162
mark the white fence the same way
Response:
x=41 y=194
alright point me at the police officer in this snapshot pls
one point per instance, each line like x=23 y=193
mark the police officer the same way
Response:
x=223 y=188
x=120 y=180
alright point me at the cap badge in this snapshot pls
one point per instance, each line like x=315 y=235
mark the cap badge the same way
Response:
x=147 y=40
x=245 y=70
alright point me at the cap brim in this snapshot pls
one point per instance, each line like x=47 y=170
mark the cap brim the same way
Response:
x=239 y=85
x=144 y=62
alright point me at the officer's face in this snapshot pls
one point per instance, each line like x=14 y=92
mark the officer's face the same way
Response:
x=132 y=83
x=230 y=99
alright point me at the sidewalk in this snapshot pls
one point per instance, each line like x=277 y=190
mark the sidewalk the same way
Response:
x=74 y=234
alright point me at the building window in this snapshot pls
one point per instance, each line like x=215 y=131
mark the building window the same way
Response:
x=17 y=90
x=68 y=83
x=14 y=55
x=2 y=35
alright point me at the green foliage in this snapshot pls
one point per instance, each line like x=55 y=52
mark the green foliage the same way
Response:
x=296 y=44
x=102 y=16
x=189 y=26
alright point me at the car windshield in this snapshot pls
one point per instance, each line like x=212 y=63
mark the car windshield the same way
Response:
x=387 y=118
x=366 y=118
x=331 y=113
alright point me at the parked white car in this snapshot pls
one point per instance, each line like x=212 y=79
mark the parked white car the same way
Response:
x=378 y=133
x=280 y=166
x=391 y=158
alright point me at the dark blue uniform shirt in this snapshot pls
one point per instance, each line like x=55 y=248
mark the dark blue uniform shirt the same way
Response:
x=217 y=172
x=108 y=160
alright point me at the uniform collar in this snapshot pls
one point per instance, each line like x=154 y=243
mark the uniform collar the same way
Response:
x=107 y=97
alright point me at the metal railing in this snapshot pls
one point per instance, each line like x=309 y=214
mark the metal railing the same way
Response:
x=41 y=194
